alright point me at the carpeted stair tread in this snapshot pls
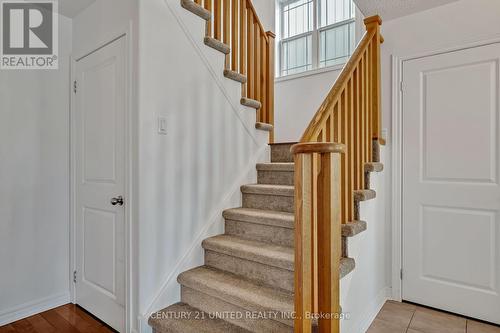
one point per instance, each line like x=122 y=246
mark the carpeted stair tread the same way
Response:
x=353 y=228
x=264 y=253
x=235 y=76
x=238 y=291
x=264 y=127
x=196 y=9
x=251 y=103
x=266 y=189
x=374 y=167
x=364 y=195
x=258 y=216
x=347 y=265
x=217 y=45
x=182 y=318
x=284 y=167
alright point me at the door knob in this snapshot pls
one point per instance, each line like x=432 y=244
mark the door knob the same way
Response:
x=117 y=201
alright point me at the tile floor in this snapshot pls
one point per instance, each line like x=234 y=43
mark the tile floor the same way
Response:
x=407 y=318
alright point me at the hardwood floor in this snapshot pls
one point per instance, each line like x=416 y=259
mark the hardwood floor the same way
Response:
x=65 y=319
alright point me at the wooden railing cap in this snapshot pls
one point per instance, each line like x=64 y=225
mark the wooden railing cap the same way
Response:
x=318 y=147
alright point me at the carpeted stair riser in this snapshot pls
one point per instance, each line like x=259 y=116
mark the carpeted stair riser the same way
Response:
x=260 y=232
x=263 y=233
x=280 y=153
x=255 y=271
x=214 y=305
x=268 y=202
x=275 y=177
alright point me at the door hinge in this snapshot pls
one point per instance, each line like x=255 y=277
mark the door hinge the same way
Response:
x=74 y=277
x=402 y=86
x=74 y=86
x=401 y=274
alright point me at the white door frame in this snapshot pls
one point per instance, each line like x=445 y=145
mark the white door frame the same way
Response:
x=397 y=155
x=130 y=156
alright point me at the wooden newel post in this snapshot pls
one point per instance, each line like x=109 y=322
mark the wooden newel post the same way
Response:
x=270 y=81
x=373 y=23
x=317 y=236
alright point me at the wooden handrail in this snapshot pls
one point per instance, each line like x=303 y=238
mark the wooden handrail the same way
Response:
x=236 y=24
x=329 y=168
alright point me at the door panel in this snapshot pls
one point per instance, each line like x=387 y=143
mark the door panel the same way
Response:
x=451 y=195
x=100 y=174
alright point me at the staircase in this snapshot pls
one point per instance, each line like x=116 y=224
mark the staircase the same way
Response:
x=249 y=271
x=285 y=250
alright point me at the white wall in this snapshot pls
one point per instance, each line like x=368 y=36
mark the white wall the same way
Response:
x=189 y=176
x=296 y=102
x=34 y=173
x=101 y=22
x=267 y=16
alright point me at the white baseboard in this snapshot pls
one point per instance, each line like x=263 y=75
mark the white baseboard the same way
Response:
x=31 y=308
x=372 y=309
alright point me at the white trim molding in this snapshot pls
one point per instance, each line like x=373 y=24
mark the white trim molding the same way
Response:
x=34 y=307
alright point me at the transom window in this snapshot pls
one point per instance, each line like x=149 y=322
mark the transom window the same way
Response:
x=315 y=34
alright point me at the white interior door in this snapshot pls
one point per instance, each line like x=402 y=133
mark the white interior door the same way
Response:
x=451 y=193
x=100 y=177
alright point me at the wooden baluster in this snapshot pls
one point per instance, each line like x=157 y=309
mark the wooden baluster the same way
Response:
x=250 y=55
x=198 y=2
x=367 y=126
x=345 y=182
x=350 y=146
x=243 y=44
x=234 y=35
x=270 y=81
x=370 y=104
x=357 y=122
x=227 y=28
x=263 y=78
x=328 y=129
x=257 y=63
x=218 y=19
x=363 y=113
x=208 y=6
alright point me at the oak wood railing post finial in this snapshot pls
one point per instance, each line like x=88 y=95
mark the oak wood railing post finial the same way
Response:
x=318 y=237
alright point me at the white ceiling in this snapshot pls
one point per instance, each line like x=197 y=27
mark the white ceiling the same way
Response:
x=391 y=9
x=71 y=8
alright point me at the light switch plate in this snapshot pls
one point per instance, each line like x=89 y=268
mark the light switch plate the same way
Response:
x=162 y=125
